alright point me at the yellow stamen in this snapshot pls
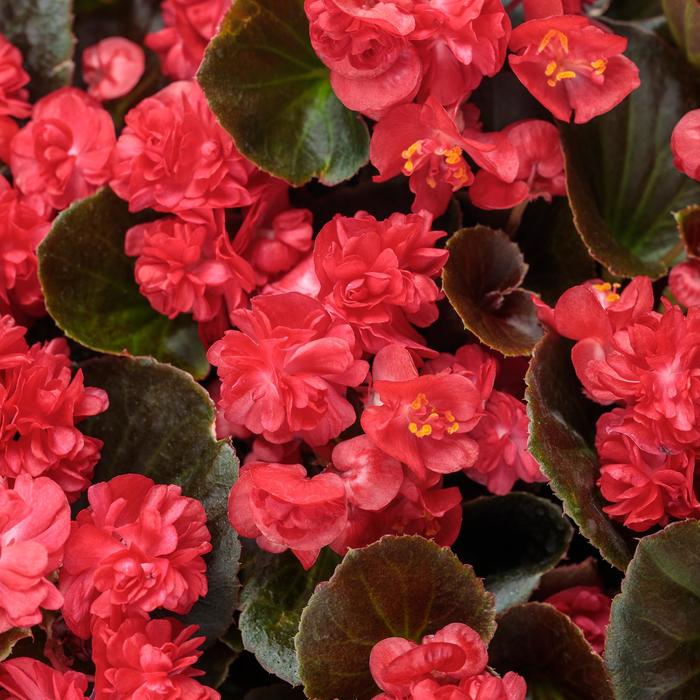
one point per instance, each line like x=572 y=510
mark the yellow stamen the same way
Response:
x=419 y=401
x=551 y=67
x=453 y=155
x=408 y=166
x=599 y=66
x=415 y=147
x=449 y=416
x=561 y=75
x=431 y=182
x=612 y=297
x=552 y=34
x=424 y=431
x=453 y=428
x=412 y=428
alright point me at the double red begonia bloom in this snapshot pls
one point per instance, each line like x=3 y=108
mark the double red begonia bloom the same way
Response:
x=378 y=276
x=173 y=156
x=14 y=97
x=280 y=506
x=112 y=67
x=540 y=169
x=40 y=403
x=63 y=153
x=426 y=144
x=685 y=144
x=572 y=66
x=285 y=372
x=34 y=526
x=589 y=608
x=645 y=488
x=189 y=267
x=384 y=54
x=449 y=664
x=148 y=659
x=29 y=679
x=502 y=435
x=137 y=547
x=189 y=25
x=21 y=231
x=423 y=421
x=684 y=281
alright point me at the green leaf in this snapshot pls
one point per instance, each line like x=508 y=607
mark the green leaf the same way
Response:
x=683 y=18
x=161 y=423
x=511 y=541
x=42 y=31
x=623 y=186
x=550 y=651
x=397 y=587
x=270 y=91
x=275 y=591
x=688 y=222
x=653 y=645
x=9 y=638
x=482 y=280
x=90 y=290
x=562 y=431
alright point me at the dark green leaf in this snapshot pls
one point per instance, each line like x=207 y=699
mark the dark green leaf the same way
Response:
x=161 y=423
x=270 y=91
x=550 y=651
x=9 y=638
x=90 y=290
x=562 y=431
x=511 y=541
x=41 y=29
x=683 y=18
x=275 y=591
x=623 y=186
x=634 y=9
x=398 y=587
x=653 y=645
x=482 y=280
x=688 y=222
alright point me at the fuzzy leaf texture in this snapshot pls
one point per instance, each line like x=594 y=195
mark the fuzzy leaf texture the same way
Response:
x=397 y=587
x=90 y=290
x=622 y=184
x=160 y=423
x=267 y=87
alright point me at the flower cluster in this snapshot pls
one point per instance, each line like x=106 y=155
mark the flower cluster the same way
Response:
x=646 y=364
x=448 y=664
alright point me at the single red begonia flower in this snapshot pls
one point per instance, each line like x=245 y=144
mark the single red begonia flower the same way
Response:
x=137 y=547
x=285 y=372
x=685 y=144
x=28 y=679
x=63 y=153
x=540 y=169
x=378 y=276
x=589 y=608
x=34 y=526
x=112 y=67
x=148 y=659
x=572 y=66
x=423 y=421
x=280 y=506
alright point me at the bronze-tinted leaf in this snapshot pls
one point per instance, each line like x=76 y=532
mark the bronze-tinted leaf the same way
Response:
x=688 y=221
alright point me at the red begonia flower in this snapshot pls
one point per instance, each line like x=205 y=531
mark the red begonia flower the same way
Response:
x=173 y=156
x=540 y=169
x=40 y=403
x=189 y=25
x=372 y=478
x=112 y=67
x=263 y=451
x=644 y=487
x=373 y=64
x=378 y=276
x=21 y=231
x=536 y=9
x=685 y=144
x=684 y=281
x=285 y=372
x=487 y=687
x=425 y=143
x=148 y=660
x=188 y=267
x=285 y=509
x=34 y=526
x=572 y=65
x=63 y=153
x=502 y=435
x=137 y=547
x=29 y=679
x=8 y=129
x=589 y=608
x=13 y=80
x=423 y=421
